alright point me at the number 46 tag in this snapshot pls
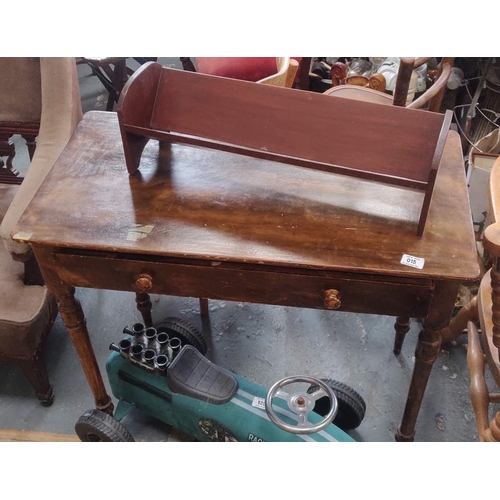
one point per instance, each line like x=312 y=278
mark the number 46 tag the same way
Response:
x=410 y=260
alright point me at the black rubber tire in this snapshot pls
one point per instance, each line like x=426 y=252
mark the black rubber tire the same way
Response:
x=352 y=407
x=186 y=332
x=97 y=426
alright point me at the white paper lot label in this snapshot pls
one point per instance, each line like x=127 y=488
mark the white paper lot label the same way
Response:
x=410 y=260
x=259 y=403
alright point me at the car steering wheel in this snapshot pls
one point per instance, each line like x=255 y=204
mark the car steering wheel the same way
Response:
x=301 y=404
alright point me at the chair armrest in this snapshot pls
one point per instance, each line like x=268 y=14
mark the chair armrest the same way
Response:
x=61 y=112
x=491 y=238
x=436 y=89
x=32 y=273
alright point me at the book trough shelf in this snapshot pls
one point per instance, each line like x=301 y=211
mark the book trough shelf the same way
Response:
x=389 y=144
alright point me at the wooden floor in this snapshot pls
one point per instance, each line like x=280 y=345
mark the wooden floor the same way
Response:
x=10 y=435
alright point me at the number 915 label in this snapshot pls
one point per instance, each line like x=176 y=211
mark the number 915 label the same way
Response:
x=410 y=260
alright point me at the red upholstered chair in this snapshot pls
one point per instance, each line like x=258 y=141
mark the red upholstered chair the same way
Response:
x=252 y=69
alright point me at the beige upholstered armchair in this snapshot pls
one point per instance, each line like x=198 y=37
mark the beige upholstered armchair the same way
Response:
x=34 y=93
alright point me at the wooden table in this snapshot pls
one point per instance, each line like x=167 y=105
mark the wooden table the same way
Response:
x=196 y=222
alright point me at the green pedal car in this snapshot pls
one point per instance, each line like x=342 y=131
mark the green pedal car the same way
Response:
x=163 y=371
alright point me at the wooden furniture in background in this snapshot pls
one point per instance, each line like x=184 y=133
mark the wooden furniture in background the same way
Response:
x=386 y=144
x=339 y=74
x=430 y=99
x=484 y=310
x=113 y=73
x=199 y=222
x=433 y=96
x=375 y=81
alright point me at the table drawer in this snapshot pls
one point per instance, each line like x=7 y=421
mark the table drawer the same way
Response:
x=224 y=281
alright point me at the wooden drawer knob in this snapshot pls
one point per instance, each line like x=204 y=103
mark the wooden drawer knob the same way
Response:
x=332 y=299
x=144 y=283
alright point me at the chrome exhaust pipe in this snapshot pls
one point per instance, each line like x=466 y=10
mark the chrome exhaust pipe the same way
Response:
x=124 y=347
x=150 y=334
x=162 y=339
x=137 y=329
x=149 y=356
x=114 y=347
x=161 y=363
x=137 y=350
x=173 y=348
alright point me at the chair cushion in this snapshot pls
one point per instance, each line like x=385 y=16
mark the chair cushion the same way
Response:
x=251 y=69
x=25 y=311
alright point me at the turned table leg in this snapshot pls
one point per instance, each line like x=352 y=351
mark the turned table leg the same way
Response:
x=426 y=352
x=402 y=327
x=72 y=315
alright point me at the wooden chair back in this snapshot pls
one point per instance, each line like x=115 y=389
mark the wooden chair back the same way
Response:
x=484 y=310
x=432 y=97
x=339 y=74
x=488 y=304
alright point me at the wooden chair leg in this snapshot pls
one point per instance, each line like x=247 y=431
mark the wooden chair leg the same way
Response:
x=187 y=64
x=304 y=70
x=35 y=370
x=111 y=101
x=478 y=389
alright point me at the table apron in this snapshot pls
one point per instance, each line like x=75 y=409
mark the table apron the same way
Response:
x=288 y=288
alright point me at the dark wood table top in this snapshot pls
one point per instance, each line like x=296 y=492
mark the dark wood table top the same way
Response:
x=197 y=203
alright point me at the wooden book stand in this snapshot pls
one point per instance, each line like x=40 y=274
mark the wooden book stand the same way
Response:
x=389 y=144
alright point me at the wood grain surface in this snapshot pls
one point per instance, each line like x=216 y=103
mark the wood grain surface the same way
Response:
x=191 y=202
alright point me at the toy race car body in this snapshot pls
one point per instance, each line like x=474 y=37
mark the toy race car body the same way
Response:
x=182 y=388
